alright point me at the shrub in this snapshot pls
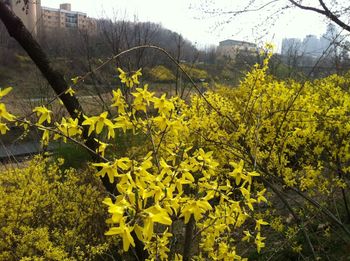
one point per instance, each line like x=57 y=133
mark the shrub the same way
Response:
x=195 y=73
x=200 y=184
x=49 y=214
x=161 y=74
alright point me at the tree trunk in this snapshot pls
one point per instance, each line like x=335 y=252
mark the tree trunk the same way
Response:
x=18 y=31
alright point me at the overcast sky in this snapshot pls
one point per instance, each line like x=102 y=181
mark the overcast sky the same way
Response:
x=184 y=17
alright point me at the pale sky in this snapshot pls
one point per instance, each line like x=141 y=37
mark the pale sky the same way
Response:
x=184 y=17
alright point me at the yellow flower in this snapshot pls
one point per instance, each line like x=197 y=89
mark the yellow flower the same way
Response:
x=258 y=242
x=68 y=128
x=107 y=168
x=75 y=80
x=3 y=128
x=163 y=105
x=237 y=172
x=261 y=197
x=119 y=101
x=135 y=76
x=97 y=123
x=260 y=222
x=142 y=98
x=5 y=91
x=114 y=209
x=129 y=80
x=161 y=122
x=247 y=236
x=45 y=137
x=197 y=208
x=70 y=91
x=5 y=114
x=123 y=122
x=44 y=113
x=124 y=231
x=73 y=127
x=249 y=176
x=154 y=214
x=102 y=147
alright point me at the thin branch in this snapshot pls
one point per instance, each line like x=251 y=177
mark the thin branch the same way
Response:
x=309 y=8
x=52 y=130
x=297 y=219
x=244 y=10
x=333 y=17
x=325 y=211
x=326 y=12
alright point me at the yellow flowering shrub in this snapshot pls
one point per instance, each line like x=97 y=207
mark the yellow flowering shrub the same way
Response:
x=161 y=74
x=50 y=214
x=179 y=182
x=198 y=185
x=195 y=73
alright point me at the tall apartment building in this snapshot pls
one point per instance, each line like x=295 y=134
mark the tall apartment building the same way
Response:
x=64 y=17
x=291 y=46
x=35 y=16
x=311 y=45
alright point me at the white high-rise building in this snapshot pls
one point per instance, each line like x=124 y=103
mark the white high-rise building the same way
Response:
x=311 y=45
x=291 y=46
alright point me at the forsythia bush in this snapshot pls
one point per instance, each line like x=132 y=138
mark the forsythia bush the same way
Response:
x=291 y=132
x=178 y=183
x=196 y=188
x=161 y=74
x=195 y=73
x=50 y=214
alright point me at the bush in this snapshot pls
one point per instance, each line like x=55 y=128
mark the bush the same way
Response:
x=49 y=214
x=161 y=74
x=207 y=176
x=195 y=73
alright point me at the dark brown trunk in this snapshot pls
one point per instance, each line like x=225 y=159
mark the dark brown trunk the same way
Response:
x=18 y=31
x=188 y=240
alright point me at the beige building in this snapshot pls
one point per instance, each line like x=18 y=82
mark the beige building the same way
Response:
x=230 y=48
x=65 y=18
x=36 y=16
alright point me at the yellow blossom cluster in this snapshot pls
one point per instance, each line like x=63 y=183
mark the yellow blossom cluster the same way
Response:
x=4 y=114
x=179 y=181
x=207 y=165
x=48 y=213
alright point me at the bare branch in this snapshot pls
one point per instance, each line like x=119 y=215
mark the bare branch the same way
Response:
x=245 y=10
x=309 y=8
x=333 y=17
x=326 y=12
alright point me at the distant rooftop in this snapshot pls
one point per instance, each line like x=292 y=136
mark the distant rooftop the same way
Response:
x=230 y=42
x=62 y=10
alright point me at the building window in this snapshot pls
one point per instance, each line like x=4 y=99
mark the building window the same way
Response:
x=71 y=25
x=71 y=18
